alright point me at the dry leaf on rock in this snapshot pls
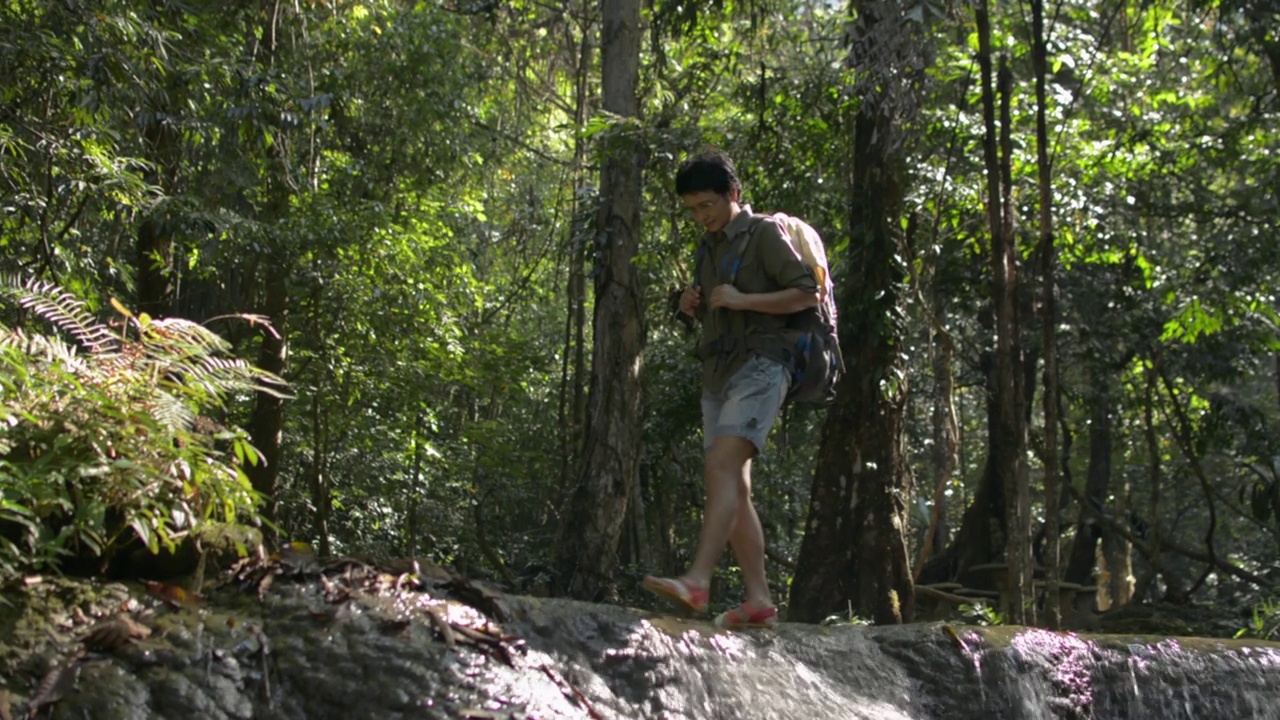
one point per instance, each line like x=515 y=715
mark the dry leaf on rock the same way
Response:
x=115 y=632
x=171 y=595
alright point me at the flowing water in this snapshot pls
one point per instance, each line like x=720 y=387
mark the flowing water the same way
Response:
x=300 y=653
x=660 y=667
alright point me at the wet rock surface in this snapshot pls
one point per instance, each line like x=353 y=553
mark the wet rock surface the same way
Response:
x=344 y=639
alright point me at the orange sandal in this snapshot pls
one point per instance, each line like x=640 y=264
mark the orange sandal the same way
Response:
x=747 y=615
x=678 y=592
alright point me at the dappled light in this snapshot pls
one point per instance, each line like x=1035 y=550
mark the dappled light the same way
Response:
x=400 y=359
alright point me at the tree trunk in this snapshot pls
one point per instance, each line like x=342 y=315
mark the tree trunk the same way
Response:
x=854 y=552
x=1081 y=562
x=1175 y=587
x=413 y=503
x=1008 y=440
x=1185 y=435
x=572 y=395
x=1118 y=552
x=320 y=495
x=982 y=534
x=946 y=440
x=154 y=267
x=153 y=260
x=611 y=451
x=1048 y=319
x=266 y=426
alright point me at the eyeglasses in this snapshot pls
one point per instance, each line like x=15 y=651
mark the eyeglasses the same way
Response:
x=703 y=206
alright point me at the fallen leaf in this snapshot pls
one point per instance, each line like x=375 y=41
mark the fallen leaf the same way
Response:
x=111 y=634
x=171 y=595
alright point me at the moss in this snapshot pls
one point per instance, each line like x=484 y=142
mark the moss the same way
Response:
x=41 y=618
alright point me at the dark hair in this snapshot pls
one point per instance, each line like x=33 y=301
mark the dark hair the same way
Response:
x=710 y=170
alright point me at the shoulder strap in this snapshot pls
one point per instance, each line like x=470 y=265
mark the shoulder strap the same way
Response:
x=739 y=247
x=703 y=249
x=733 y=259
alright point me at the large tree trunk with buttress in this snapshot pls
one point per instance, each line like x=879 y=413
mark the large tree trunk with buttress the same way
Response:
x=854 y=551
x=981 y=536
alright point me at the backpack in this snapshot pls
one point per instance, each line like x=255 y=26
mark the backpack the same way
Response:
x=816 y=363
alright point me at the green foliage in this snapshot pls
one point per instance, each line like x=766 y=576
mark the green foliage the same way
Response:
x=111 y=440
x=1264 y=621
x=412 y=171
x=980 y=613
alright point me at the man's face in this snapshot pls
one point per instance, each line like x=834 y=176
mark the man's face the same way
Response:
x=710 y=209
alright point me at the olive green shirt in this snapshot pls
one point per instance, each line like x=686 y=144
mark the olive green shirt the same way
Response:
x=768 y=263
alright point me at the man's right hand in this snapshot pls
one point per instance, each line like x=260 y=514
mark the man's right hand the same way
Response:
x=690 y=300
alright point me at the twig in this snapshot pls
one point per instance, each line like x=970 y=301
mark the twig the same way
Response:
x=442 y=627
x=571 y=691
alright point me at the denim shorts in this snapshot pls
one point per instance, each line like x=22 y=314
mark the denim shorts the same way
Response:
x=747 y=405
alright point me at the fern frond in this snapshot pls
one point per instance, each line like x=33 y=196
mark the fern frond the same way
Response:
x=172 y=412
x=220 y=377
x=43 y=347
x=63 y=310
x=181 y=334
x=123 y=407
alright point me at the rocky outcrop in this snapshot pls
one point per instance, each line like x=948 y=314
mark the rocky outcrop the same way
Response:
x=347 y=640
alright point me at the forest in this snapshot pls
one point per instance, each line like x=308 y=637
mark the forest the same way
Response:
x=399 y=279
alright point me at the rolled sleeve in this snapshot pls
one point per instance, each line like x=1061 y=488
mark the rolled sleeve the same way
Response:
x=781 y=262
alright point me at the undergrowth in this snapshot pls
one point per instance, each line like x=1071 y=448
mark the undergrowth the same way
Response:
x=105 y=431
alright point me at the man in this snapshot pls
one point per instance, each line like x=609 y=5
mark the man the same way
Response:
x=753 y=280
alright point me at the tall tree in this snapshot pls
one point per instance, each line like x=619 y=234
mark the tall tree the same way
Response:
x=854 y=551
x=275 y=260
x=611 y=456
x=1008 y=431
x=573 y=363
x=1048 y=313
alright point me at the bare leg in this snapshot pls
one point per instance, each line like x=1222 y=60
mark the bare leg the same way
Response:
x=727 y=471
x=747 y=540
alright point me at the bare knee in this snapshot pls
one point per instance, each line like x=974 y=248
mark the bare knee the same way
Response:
x=730 y=457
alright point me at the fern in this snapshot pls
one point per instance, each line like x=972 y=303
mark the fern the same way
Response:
x=177 y=334
x=43 y=347
x=172 y=412
x=63 y=310
x=104 y=443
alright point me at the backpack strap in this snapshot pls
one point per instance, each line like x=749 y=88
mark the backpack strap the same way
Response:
x=729 y=266
x=704 y=249
x=739 y=248
x=731 y=262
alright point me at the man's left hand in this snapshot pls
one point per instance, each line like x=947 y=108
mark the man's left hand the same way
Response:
x=727 y=296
